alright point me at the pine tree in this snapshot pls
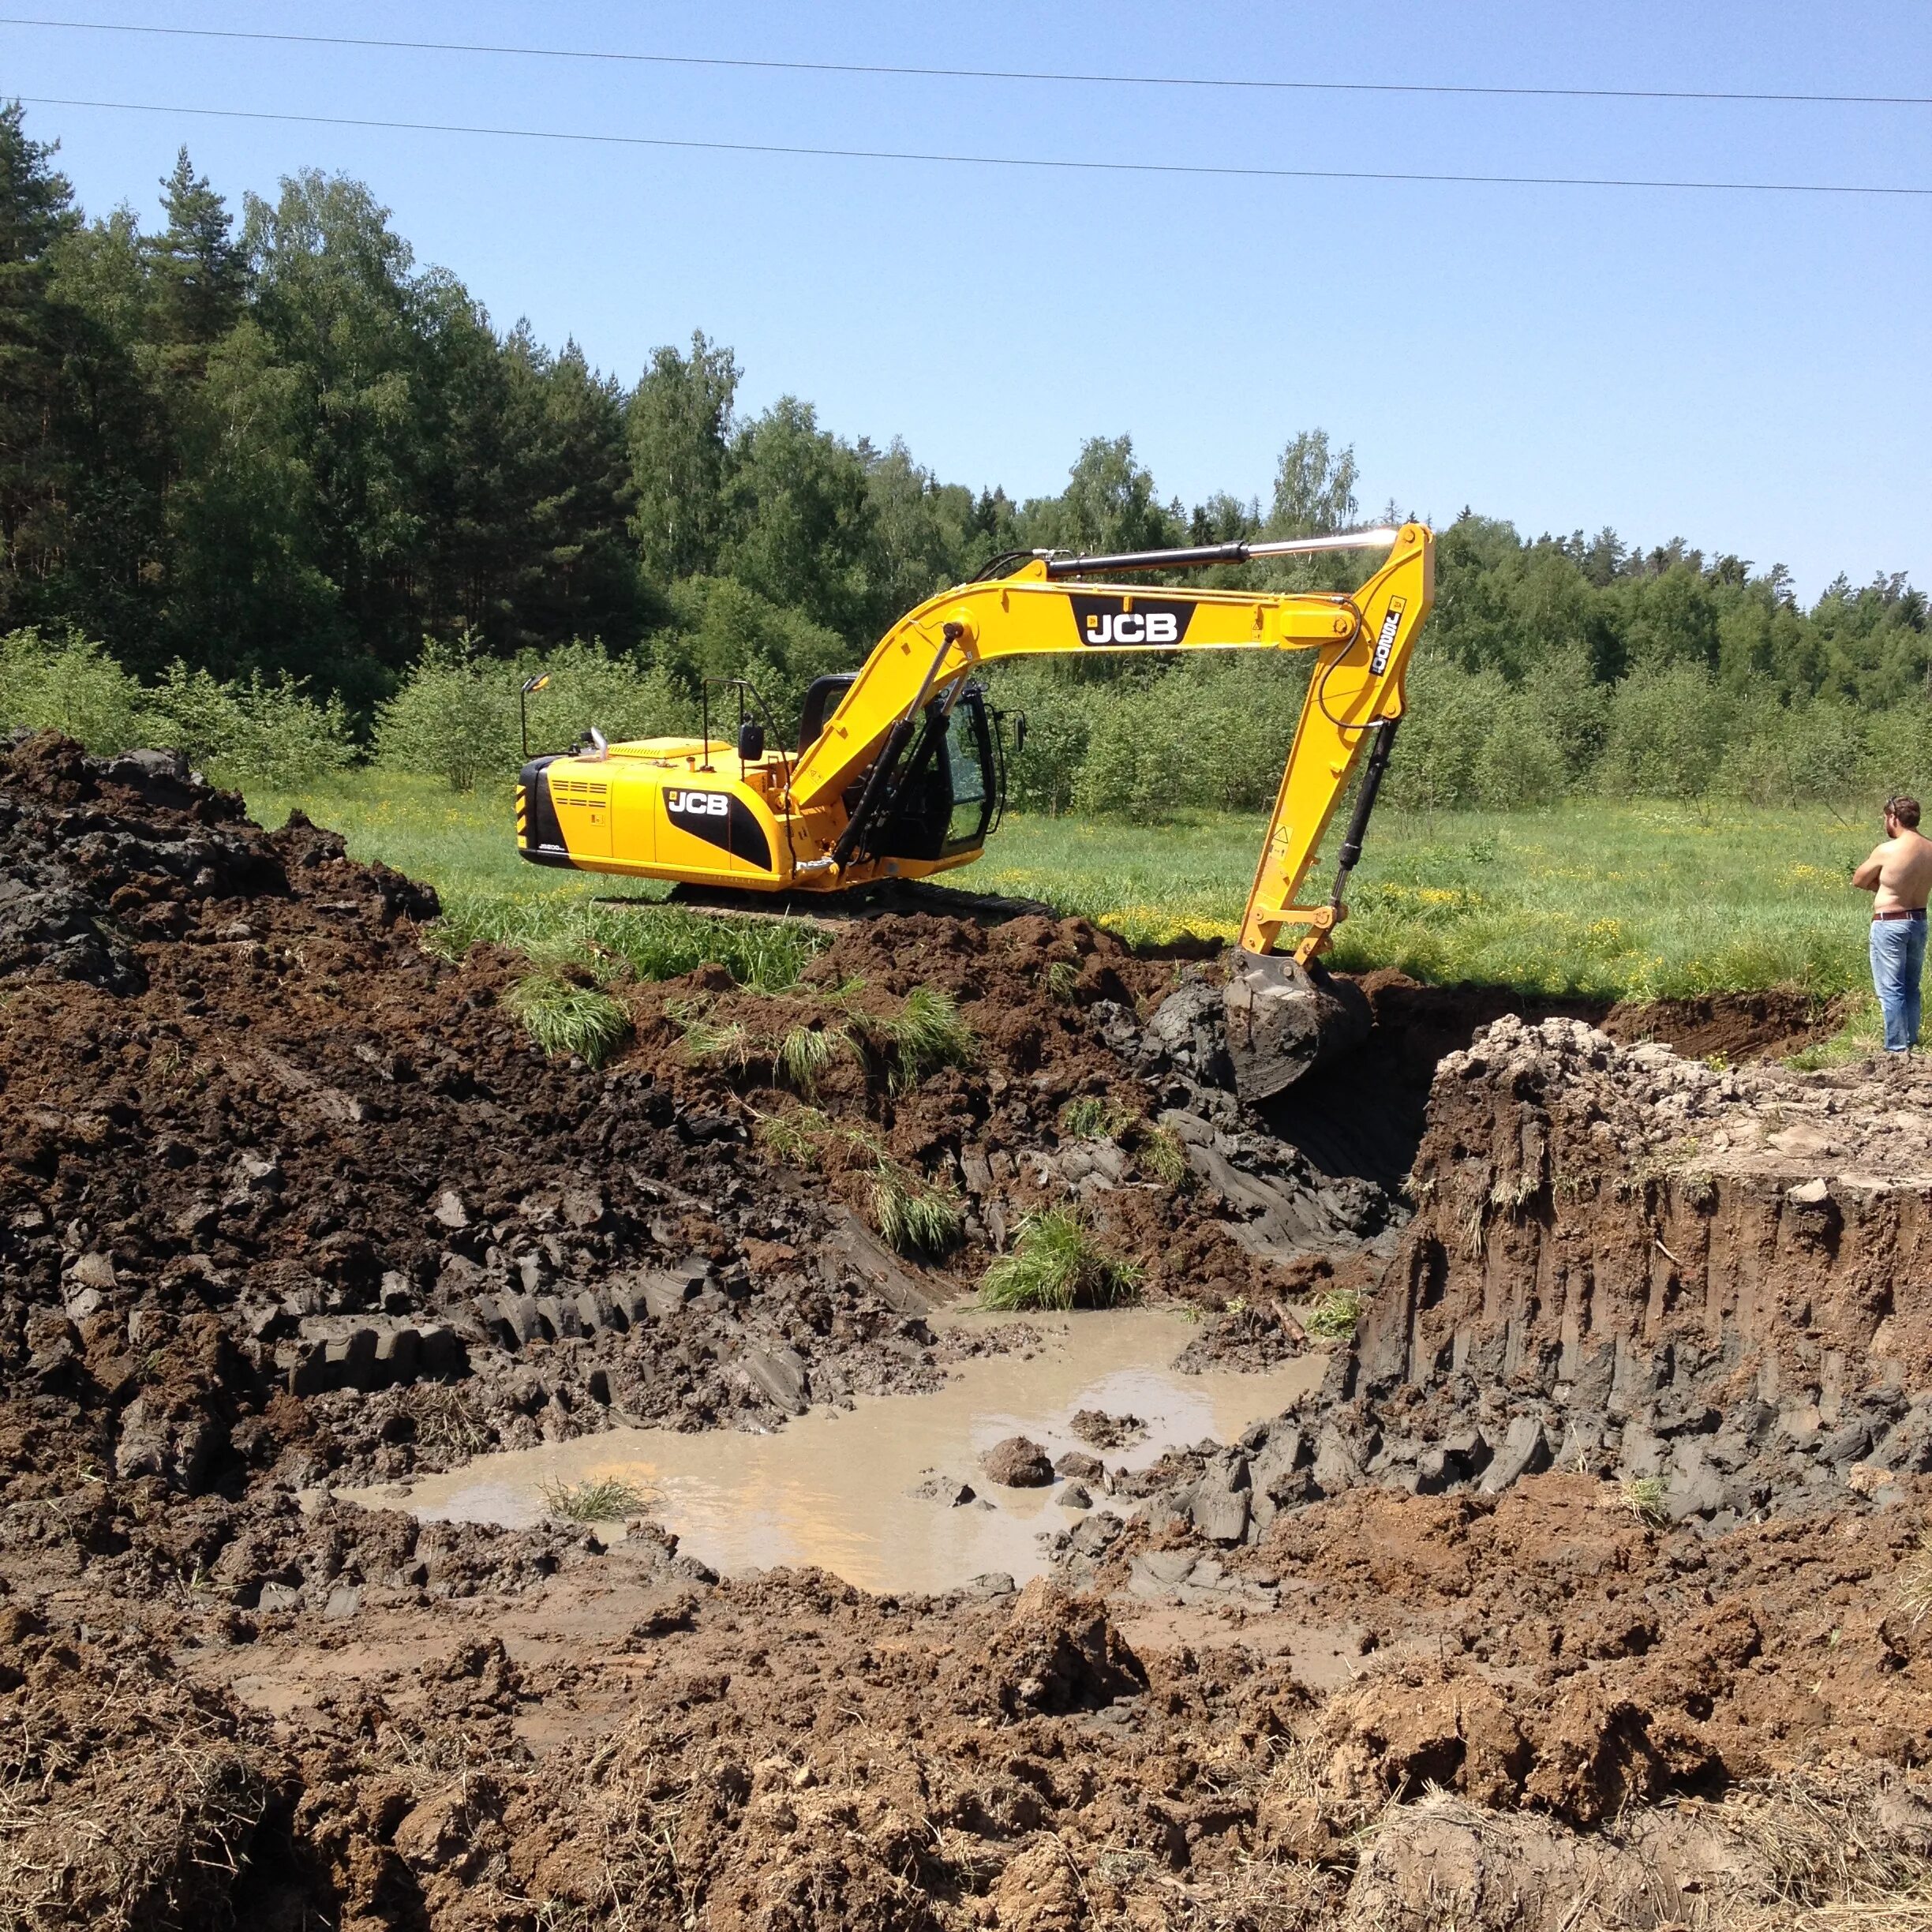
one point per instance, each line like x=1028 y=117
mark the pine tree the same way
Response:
x=197 y=272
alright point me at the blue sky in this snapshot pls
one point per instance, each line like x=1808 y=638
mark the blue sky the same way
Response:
x=1748 y=372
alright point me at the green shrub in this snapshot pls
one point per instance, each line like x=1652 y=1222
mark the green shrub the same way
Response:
x=1056 y=1263
x=455 y=718
x=1668 y=732
x=70 y=685
x=242 y=733
x=1041 y=777
x=625 y=697
x=1451 y=715
x=1518 y=763
x=248 y=734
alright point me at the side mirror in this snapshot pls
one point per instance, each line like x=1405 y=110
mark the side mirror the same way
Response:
x=750 y=741
x=1020 y=730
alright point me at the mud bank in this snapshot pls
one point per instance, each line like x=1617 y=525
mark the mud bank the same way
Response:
x=1717 y=1281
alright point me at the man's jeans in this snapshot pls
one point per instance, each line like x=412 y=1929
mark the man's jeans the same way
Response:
x=1898 y=949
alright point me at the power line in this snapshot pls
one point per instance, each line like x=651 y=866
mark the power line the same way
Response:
x=985 y=73
x=1200 y=168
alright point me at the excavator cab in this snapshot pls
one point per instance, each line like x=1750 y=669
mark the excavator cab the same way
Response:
x=953 y=780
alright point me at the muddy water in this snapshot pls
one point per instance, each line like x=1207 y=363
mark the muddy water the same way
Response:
x=831 y=1488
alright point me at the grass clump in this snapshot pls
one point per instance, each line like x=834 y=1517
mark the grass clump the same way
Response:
x=795 y=1138
x=655 y=942
x=911 y=1213
x=926 y=1034
x=711 y=1039
x=564 y=1018
x=1057 y=1262
x=908 y=1212
x=1335 y=1314
x=806 y=1053
x=1162 y=1157
x=605 y=1500
x=1643 y=1496
x=1093 y=1117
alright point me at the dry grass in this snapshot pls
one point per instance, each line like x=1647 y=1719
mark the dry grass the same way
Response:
x=446 y=1420
x=1914 y=1582
x=138 y=1810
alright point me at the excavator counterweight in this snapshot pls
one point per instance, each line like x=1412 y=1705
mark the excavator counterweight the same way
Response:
x=900 y=770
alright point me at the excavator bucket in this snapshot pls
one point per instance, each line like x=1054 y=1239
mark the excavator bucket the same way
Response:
x=1284 y=1020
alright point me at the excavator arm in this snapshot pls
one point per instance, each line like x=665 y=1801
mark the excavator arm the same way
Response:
x=1362 y=640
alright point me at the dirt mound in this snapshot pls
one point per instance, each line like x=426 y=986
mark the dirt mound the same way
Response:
x=1060 y=1653
x=1732 y=1026
x=291 y=1201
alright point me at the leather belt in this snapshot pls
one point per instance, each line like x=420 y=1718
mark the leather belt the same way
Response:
x=1899 y=913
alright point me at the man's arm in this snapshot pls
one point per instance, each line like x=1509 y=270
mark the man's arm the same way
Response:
x=1866 y=878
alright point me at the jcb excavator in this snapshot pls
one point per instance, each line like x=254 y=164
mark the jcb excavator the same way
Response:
x=900 y=767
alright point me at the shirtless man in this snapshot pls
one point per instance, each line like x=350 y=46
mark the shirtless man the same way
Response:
x=1899 y=874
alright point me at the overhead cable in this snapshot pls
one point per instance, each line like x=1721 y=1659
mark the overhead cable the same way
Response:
x=1513 y=92
x=1223 y=171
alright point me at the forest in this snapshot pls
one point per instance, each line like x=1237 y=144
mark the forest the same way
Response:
x=270 y=487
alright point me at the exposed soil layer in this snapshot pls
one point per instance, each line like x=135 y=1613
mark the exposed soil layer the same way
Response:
x=1614 y=1503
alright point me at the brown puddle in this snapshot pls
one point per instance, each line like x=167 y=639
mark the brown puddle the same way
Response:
x=832 y=1488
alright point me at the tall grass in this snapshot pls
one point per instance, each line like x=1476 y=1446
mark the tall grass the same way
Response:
x=1056 y=1263
x=1631 y=900
x=563 y=1018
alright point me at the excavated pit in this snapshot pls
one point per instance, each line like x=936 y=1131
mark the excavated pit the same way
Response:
x=1606 y=1525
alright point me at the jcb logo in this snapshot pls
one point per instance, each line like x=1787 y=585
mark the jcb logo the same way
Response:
x=1149 y=623
x=1133 y=628
x=1385 y=642
x=698 y=804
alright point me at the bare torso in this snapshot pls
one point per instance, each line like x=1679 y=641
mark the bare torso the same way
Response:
x=1898 y=873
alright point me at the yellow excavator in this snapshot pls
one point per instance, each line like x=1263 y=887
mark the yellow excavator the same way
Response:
x=900 y=767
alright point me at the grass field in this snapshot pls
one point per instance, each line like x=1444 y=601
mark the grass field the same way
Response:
x=1642 y=900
